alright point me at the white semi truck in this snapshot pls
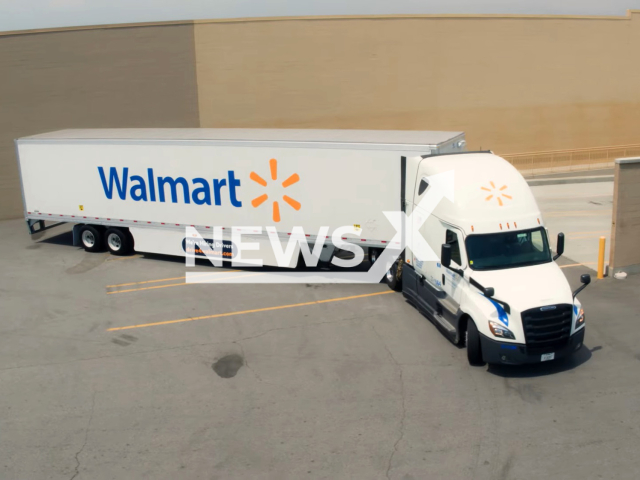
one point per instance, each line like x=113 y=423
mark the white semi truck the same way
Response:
x=496 y=286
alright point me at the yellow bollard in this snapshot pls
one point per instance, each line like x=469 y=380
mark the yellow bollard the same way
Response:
x=601 y=258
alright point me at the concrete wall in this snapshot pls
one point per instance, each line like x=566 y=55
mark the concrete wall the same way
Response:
x=513 y=83
x=625 y=232
x=117 y=77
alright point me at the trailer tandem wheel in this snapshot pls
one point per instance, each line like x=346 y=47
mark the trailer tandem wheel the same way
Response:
x=119 y=242
x=92 y=238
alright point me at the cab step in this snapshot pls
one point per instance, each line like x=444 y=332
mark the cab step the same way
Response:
x=444 y=323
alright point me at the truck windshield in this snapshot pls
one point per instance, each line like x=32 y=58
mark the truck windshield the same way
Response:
x=508 y=249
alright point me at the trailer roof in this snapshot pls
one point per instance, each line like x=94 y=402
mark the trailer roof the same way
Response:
x=397 y=137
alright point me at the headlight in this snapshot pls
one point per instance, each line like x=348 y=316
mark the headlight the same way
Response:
x=501 y=331
x=579 y=319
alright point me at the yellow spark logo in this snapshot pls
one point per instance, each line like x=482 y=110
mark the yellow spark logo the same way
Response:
x=256 y=202
x=495 y=192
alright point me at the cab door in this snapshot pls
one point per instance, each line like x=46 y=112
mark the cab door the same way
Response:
x=452 y=283
x=428 y=272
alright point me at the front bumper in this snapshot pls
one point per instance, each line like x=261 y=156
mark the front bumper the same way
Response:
x=518 y=354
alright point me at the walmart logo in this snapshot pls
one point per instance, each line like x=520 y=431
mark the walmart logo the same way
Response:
x=256 y=202
x=497 y=193
x=199 y=191
x=151 y=189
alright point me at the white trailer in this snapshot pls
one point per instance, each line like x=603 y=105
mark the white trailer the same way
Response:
x=140 y=188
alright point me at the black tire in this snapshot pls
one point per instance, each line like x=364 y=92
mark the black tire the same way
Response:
x=374 y=253
x=474 y=348
x=394 y=276
x=118 y=241
x=91 y=238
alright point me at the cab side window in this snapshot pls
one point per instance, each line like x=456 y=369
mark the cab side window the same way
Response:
x=423 y=186
x=452 y=239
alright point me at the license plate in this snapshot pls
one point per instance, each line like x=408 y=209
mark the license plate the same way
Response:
x=547 y=356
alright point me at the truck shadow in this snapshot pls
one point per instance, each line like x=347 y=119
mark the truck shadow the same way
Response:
x=64 y=238
x=541 y=369
x=203 y=262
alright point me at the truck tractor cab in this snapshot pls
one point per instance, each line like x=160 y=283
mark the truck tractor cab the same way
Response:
x=496 y=287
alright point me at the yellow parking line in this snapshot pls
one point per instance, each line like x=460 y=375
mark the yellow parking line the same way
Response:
x=577 y=264
x=147 y=288
x=176 y=284
x=166 y=279
x=265 y=309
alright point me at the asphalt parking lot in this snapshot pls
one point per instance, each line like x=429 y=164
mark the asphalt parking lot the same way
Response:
x=324 y=381
x=582 y=211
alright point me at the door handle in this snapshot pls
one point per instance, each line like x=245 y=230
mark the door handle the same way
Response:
x=443 y=282
x=421 y=279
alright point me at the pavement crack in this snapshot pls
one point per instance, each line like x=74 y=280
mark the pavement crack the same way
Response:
x=404 y=409
x=255 y=374
x=246 y=362
x=244 y=355
x=86 y=436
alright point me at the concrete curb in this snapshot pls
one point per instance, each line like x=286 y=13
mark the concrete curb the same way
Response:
x=561 y=181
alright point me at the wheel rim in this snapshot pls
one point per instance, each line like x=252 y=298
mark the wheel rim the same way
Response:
x=114 y=242
x=88 y=239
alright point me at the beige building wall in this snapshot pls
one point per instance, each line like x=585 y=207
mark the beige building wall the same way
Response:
x=625 y=232
x=513 y=83
x=100 y=77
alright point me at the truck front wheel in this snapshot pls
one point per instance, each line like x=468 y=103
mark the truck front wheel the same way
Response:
x=474 y=348
x=118 y=241
x=91 y=238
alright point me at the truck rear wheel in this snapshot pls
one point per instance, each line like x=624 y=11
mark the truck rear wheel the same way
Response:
x=474 y=348
x=91 y=238
x=394 y=276
x=374 y=253
x=118 y=241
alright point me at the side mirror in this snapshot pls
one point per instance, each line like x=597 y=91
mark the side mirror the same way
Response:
x=445 y=255
x=585 y=279
x=490 y=292
x=559 y=246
